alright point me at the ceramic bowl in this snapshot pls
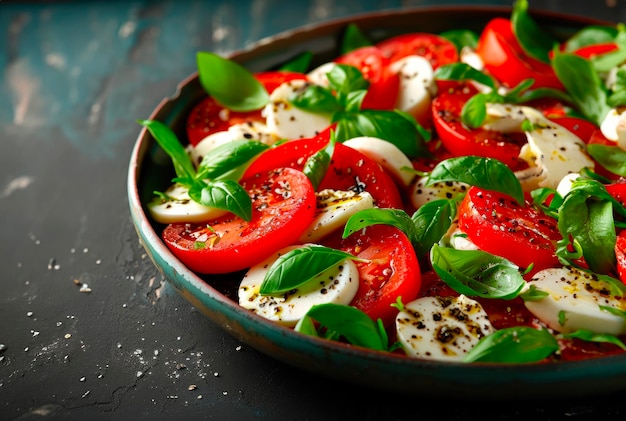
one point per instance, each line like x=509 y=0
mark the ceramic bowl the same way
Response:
x=150 y=169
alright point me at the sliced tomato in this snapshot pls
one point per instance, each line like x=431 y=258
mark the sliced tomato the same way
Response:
x=582 y=128
x=283 y=205
x=389 y=269
x=384 y=84
x=437 y=50
x=620 y=254
x=208 y=116
x=504 y=58
x=349 y=169
x=617 y=189
x=460 y=140
x=499 y=225
x=594 y=50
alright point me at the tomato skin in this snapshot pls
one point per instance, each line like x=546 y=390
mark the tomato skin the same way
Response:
x=349 y=169
x=390 y=269
x=208 y=116
x=504 y=58
x=460 y=140
x=279 y=216
x=436 y=49
x=499 y=225
x=384 y=84
x=591 y=51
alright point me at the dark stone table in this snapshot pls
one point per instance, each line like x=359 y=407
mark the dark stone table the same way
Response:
x=89 y=329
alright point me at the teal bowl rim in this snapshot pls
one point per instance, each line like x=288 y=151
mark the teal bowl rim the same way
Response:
x=389 y=372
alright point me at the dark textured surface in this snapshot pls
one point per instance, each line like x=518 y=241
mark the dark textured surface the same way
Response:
x=76 y=76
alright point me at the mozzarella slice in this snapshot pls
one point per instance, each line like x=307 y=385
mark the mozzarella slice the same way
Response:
x=252 y=130
x=469 y=56
x=458 y=239
x=334 y=208
x=573 y=302
x=179 y=207
x=613 y=127
x=565 y=185
x=442 y=328
x=337 y=285
x=388 y=155
x=422 y=194
x=318 y=75
x=552 y=151
x=288 y=121
x=417 y=86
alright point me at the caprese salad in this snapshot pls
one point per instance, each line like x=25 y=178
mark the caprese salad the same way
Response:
x=456 y=196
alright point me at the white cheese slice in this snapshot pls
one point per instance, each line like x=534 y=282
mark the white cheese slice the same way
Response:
x=177 y=206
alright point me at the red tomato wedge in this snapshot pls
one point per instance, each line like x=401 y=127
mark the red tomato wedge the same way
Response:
x=620 y=254
x=436 y=49
x=384 y=84
x=349 y=169
x=504 y=58
x=208 y=116
x=499 y=225
x=283 y=205
x=391 y=269
x=460 y=140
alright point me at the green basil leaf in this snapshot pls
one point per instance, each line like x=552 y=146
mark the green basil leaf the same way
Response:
x=461 y=38
x=316 y=99
x=583 y=84
x=223 y=194
x=306 y=326
x=463 y=71
x=316 y=165
x=229 y=156
x=388 y=125
x=168 y=141
x=605 y=62
x=232 y=85
x=613 y=158
x=533 y=294
x=353 y=100
x=590 y=222
x=299 y=266
x=589 y=336
x=538 y=93
x=432 y=221
x=520 y=344
x=474 y=111
x=395 y=217
x=298 y=64
x=542 y=195
x=486 y=173
x=590 y=35
x=351 y=323
x=535 y=42
x=477 y=273
x=353 y=38
x=617 y=96
x=344 y=79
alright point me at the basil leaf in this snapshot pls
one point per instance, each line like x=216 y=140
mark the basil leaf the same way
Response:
x=306 y=326
x=533 y=294
x=583 y=84
x=535 y=42
x=613 y=158
x=462 y=72
x=168 y=141
x=474 y=111
x=590 y=35
x=223 y=194
x=486 y=173
x=229 y=156
x=590 y=222
x=316 y=99
x=520 y=344
x=605 y=62
x=232 y=85
x=316 y=165
x=432 y=221
x=589 y=336
x=351 y=323
x=299 y=266
x=298 y=64
x=383 y=124
x=367 y=217
x=477 y=273
x=461 y=38
x=353 y=38
x=344 y=79
x=618 y=94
